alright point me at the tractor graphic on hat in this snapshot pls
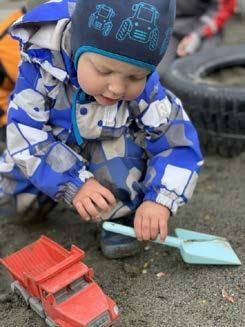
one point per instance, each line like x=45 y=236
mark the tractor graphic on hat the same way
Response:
x=101 y=19
x=141 y=26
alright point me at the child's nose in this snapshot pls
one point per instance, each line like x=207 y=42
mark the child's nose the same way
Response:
x=117 y=87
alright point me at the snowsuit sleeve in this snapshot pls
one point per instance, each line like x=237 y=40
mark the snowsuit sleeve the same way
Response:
x=172 y=146
x=49 y=164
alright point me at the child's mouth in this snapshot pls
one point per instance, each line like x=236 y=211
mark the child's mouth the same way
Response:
x=107 y=101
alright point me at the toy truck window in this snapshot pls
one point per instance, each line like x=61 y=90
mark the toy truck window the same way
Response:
x=70 y=290
x=145 y=14
x=45 y=294
x=104 y=13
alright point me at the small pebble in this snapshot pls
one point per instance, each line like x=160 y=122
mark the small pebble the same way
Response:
x=161 y=274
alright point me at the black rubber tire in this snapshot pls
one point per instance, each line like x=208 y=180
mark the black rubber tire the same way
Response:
x=218 y=111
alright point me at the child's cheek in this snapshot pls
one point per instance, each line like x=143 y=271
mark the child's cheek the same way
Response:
x=88 y=86
x=135 y=91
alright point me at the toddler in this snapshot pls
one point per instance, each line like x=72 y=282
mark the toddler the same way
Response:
x=89 y=123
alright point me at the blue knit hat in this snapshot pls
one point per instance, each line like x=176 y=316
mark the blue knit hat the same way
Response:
x=128 y=30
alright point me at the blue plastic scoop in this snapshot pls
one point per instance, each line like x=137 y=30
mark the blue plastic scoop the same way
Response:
x=195 y=248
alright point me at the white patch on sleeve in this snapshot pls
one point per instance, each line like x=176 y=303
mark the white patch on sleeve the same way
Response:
x=176 y=178
x=60 y=158
x=34 y=109
x=158 y=113
x=15 y=141
x=191 y=186
x=85 y=175
x=33 y=135
x=27 y=163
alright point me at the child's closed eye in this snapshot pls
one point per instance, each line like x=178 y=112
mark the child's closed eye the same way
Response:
x=103 y=72
x=136 y=78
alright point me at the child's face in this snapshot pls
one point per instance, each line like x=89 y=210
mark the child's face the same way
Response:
x=109 y=80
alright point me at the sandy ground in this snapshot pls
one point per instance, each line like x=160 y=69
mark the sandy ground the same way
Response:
x=186 y=295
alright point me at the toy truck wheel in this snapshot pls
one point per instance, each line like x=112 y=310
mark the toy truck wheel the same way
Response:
x=124 y=29
x=154 y=39
x=20 y=292
x=107 y=29
x=49 y=322
x=37 y=306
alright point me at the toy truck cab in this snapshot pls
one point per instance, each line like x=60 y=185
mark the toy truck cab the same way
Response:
x=80 y=302
x=101 y=19
x=141 y=26
x=58 y=286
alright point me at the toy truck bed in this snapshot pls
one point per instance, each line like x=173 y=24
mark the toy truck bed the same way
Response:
x=40 y=261
x=58 y=286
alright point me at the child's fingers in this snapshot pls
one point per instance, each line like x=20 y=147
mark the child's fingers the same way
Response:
x=163 y=229
x=82 y=212
x=181 y=51
x=146 y=228
x=154 y=229
x=100 y=202
x=90 y=208
x=110 y=198
x=137 y=227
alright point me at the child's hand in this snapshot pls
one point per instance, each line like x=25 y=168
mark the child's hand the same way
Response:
x=151 y=218
x=92 y=198
x=189 y=45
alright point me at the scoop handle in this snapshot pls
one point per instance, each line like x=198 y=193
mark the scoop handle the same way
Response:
x=129 y=231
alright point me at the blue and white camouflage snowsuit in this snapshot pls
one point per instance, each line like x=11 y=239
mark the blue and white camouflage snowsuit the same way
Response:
x=146 y=149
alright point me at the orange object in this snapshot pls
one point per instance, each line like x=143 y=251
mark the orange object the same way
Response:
x=9 y=61
x=58 y=286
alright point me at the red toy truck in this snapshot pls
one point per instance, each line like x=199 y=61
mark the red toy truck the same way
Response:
x=58 y=286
